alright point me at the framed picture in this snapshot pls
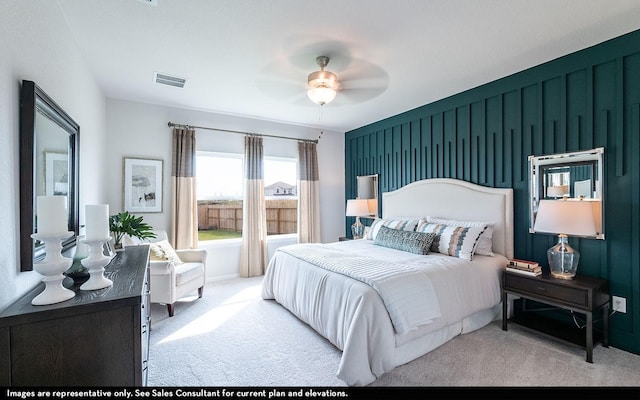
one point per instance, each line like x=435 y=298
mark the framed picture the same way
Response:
x=142 y=185
x=56 y=173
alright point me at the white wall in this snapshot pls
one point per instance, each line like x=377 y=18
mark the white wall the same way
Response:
x=36 y=45
x=140 y=130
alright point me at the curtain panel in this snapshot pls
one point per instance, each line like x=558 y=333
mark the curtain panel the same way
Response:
x=308 y=193
x=253 y=258
x=184 y=205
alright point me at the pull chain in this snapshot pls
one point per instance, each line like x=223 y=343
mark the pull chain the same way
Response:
x=320 y=121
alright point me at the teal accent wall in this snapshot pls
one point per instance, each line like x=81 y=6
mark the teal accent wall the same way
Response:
x=586 y=99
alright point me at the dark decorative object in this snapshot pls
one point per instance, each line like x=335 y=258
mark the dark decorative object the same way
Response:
x=78 y=272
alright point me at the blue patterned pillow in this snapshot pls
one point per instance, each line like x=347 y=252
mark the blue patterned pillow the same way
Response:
x=412 y=242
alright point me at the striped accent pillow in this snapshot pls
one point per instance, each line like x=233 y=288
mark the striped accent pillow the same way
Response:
x=456 y=241
x=403 y=224
x=485 y=243
x=412 y=242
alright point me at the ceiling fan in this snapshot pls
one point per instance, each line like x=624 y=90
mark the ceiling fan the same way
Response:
x=359 y=80
x=323 y=85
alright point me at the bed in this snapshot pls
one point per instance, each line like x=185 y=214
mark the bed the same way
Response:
x=385 y=319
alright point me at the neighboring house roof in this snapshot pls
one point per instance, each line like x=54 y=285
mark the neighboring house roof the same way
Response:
x=280 y=184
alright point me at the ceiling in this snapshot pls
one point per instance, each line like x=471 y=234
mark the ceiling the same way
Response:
x=251 y=58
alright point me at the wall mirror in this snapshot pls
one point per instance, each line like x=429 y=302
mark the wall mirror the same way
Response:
x=368 y=189
x=49 y=143
x=568 y=176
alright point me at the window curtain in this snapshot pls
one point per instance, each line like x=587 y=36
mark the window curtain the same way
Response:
x=253 y=258
x=308 y=194
x=184 y=205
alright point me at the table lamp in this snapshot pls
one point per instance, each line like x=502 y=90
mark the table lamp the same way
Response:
x=571 y=217
x=357 y=208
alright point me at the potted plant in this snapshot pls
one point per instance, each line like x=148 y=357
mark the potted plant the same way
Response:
x=125 y=223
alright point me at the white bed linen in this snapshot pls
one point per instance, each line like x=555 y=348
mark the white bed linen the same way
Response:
x=352 y=316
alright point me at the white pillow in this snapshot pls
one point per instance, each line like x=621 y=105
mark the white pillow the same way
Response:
x=485 y=243
x=404 y=224
x=456 y=241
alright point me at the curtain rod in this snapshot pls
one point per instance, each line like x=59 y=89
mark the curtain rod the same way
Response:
x=171 y=124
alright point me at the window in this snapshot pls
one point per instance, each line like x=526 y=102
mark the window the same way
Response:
x=219 y=185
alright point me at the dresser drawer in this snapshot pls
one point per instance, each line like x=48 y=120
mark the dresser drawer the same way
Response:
x=546 y=289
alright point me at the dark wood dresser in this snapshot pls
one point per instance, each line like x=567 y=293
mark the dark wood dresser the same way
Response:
x=97 y=338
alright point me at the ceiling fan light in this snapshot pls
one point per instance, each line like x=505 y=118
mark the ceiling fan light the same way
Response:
x=321 y=95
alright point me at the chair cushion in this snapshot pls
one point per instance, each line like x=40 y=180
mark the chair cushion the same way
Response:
x=186 y=272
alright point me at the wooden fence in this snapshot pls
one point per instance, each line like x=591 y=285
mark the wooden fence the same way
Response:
x=282 y=216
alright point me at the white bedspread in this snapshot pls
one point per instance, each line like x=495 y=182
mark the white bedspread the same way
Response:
x=407 y=292
x=352 y=316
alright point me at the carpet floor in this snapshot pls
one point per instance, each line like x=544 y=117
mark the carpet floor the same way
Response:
x=232 y=337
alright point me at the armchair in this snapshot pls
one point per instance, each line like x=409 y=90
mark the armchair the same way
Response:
x=180 y=273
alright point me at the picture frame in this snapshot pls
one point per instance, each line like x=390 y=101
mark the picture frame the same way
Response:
x=56 y=171
x=142 y=185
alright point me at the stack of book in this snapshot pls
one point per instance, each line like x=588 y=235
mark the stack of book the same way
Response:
x=524 y=267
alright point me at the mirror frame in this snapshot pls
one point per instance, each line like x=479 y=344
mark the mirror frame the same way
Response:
x=376 y=191
x=33 y=100
x=538 y=163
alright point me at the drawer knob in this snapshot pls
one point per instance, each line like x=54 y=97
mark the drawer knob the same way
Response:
x=542 y=289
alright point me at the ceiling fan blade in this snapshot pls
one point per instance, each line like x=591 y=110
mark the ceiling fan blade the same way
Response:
x=355 y=96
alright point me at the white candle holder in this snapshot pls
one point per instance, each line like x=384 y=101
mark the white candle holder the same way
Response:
x=52 y=268
x=96 y=263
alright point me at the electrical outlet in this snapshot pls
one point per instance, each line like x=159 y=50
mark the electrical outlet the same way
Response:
x=619 y=304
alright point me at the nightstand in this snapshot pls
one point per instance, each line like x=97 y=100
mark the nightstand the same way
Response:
x=344 y=238
x=582 y=294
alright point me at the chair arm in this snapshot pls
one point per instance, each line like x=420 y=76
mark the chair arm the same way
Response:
x=192 y=255
x=158 y=267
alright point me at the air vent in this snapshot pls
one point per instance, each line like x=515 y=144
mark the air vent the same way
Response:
x=169 y=80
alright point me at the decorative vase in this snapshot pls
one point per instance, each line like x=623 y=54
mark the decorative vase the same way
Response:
x=78 y=272
x=52 y=268
x=96 y=263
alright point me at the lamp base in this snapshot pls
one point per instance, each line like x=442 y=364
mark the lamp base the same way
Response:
x=357 y=229
x=563 y=259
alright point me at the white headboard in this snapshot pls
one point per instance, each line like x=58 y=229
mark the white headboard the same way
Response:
x=456 y=199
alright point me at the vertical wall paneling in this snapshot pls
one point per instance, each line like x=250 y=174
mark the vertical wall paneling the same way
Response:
x=562 y=118
x=485 y=135
x=635 y=211
x=425 y=138
x=449 y=142
x=405 y=153
x=586 y=140
x=492 y=121
x=463 y=151
x=619 y=129
x=482 y=145
x=416 y=154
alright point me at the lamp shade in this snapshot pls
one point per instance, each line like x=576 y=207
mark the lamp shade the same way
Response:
x=569 y=217
x=558 y=191
x=357 y=208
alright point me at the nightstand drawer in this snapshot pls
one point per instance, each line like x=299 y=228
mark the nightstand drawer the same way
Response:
x=541 y=288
